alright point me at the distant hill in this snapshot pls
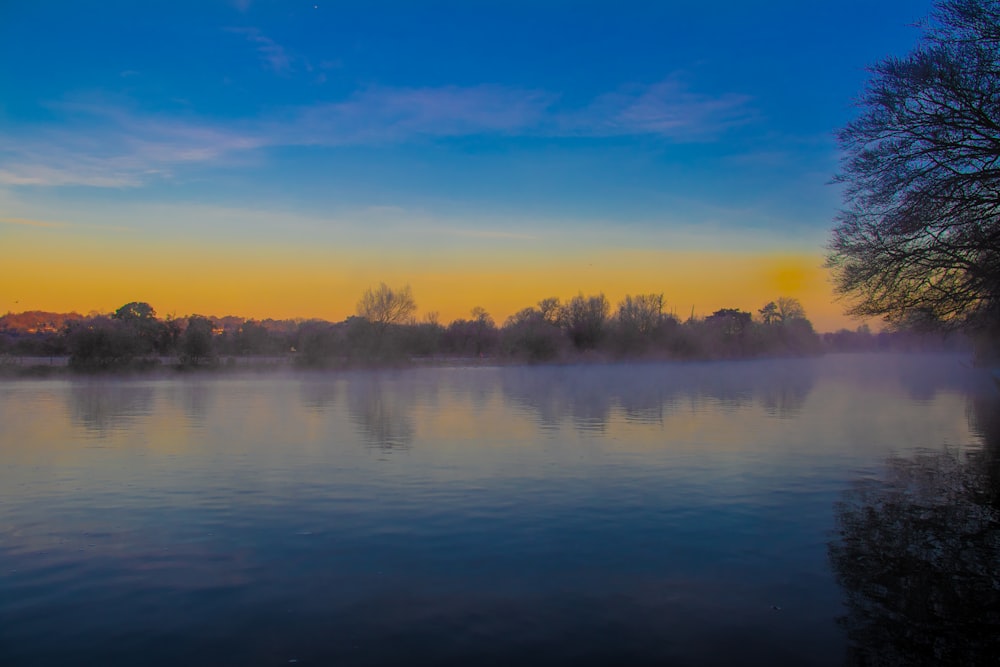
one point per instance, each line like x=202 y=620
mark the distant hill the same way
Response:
x=40 y=321
x=36 y=321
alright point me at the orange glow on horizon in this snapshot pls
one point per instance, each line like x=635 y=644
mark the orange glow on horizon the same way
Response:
x=82 y=273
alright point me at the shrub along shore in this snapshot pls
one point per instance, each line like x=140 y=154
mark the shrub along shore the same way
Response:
x=584 y=329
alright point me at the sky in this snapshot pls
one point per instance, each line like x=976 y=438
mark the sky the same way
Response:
x=275 y=159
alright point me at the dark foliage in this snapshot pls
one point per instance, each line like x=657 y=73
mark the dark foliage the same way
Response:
x=916 y=553
x=583 y=328
x=196 y=345
x=529 y=336
x=585 y=320
x=918 y=241
x=101 y=344
x=318 y=344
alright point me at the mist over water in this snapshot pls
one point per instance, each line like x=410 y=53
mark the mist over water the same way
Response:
x=676 y=513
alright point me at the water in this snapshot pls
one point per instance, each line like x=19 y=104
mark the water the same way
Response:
x=680 y=514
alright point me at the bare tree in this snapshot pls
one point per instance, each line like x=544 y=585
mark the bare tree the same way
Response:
x=642 y=313
x=585 y=318
x=783 y=309
x=550 y=309
x=383 y=305
x=919 y=237
x=789 y=308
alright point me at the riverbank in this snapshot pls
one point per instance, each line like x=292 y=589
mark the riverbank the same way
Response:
x=12 y=366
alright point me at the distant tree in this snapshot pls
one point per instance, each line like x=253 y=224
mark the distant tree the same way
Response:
x=731 y=321
x=384 y=306
x=36 y=321
x=550 y=309
x=485 y=331
x=135 y=311
x=790 y=309
x=642 y=313
x=424 y=339
x=100 y=344
x=140 y=319
x=781 y=311
x=477 y=336
x=584 y=319
x=318 y=344
x=919 y=238
x=523 y=316
x=169 y=335
x=480 y=316
x=528 y=335
x=769 y=313
x=196 y=342
x=252 y=339
x=638 y=324
x=725 y=333
x=785 y=329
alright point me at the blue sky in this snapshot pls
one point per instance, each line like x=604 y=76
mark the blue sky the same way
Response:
x=677 y=125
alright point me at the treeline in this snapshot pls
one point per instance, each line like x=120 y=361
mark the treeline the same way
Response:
x=384 y=331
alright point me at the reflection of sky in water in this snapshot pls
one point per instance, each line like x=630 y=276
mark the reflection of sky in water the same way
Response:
x=654 y=511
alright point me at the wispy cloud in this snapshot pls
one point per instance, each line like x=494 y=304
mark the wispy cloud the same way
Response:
x=95 y=174
x=28 y=222
x=54 y=224
x=485 y=234
x=106 y=143
x=274 y=56
x=381 y=115
x=667 y=109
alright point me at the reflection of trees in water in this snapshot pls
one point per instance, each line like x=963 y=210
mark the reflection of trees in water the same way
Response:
x=917 y=554
x=102 y=406
x=383 y=409
x=647 y=393
x=984 y=417
x=318 y=393
x=780 y=387
x=196 y=398
x=557 y=393
x=936 y=373
x=786 y=397
x=921 y=376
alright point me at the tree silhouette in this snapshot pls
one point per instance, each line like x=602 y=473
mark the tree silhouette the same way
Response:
x=529 y=335
x=769 y=313
x=140 y=319
x=383 y=306
x=917 y=552
x=101 y=344
x=919 y=239
x=641 y=314
x=135 y=311
x=196 y=342
x=584 y=319
x=789 y=309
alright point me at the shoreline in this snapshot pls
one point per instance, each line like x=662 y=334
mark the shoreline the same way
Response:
x=32 y=367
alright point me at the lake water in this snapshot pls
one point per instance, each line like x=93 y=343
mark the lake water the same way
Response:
x=808 y=512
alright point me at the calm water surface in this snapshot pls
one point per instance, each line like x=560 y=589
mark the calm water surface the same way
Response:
x=812 y=512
